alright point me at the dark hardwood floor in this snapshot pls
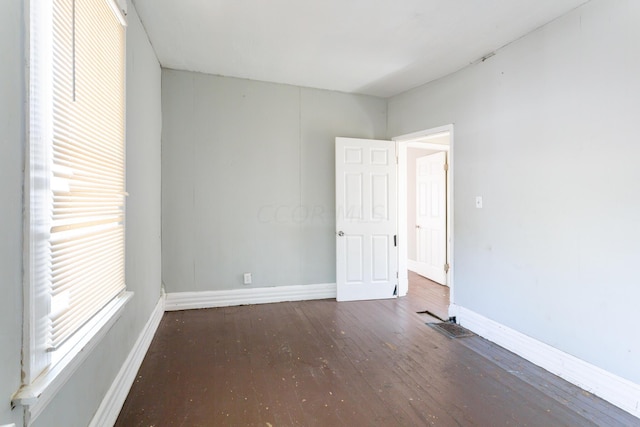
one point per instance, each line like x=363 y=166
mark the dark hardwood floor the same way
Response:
x=323 y=363
x=430 y=298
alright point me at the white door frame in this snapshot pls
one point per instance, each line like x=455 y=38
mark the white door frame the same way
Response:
x=421 y=139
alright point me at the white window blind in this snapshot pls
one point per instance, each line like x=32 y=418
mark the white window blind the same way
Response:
x=82 y=164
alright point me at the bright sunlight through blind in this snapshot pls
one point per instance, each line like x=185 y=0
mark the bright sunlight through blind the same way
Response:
x=87 y=180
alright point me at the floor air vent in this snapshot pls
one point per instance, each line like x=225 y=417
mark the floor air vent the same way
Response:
x=452 y=330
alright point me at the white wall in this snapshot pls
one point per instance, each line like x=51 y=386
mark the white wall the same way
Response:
x=80 y=397
x=11 y=163
x=248 y=179
x=546 y=131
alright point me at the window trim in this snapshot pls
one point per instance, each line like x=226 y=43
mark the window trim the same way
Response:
x=43 y=389
x=41 y=379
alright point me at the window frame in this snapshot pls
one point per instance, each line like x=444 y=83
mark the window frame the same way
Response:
x=43 y=373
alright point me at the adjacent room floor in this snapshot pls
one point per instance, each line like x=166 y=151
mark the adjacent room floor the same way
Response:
x=428 y=298
x=323 y=363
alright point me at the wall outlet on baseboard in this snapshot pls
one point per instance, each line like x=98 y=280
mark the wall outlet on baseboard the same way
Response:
x=247 y=278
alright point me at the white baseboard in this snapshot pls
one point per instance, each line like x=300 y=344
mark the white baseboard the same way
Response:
x=231 y=297
x=107 y=413
x=413 y=265
x=423 y=270
x=610 y=387
x=403 y=286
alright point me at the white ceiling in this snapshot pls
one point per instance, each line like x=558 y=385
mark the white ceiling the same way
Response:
x=375 y=47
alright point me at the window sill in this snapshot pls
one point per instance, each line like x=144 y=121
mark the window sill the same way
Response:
x=37 y=395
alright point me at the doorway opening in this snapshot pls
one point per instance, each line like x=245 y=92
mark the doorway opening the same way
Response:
x=425 y=217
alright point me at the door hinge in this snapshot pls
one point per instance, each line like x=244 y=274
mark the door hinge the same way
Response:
x=395 y=240
x=446 y=167
x=397 y=275
x=446 y=268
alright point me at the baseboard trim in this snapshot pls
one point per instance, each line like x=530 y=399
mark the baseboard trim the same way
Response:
x=413 y=265
x=231 y=297
x=610 y=387
x=403 y=286
x=109 y=409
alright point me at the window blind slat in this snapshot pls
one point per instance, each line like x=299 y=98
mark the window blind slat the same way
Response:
x=93 y=303
x=66 y=256
x=86 y=222
x=75 y=279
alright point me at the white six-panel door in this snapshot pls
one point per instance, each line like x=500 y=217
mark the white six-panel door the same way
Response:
x=366 y=216
x=431 y=216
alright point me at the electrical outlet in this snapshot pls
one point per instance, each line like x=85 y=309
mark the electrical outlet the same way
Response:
x=247 y=278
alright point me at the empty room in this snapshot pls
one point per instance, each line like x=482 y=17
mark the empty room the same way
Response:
x=319 y=213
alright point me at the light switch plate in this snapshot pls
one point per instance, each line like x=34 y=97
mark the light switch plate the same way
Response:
x=479 y=202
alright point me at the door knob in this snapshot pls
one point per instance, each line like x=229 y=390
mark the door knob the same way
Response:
x=417 y=226
x=340 y=233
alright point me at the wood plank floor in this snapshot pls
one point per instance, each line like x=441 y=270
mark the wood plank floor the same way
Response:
x=429 y=297
x=323 y=363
